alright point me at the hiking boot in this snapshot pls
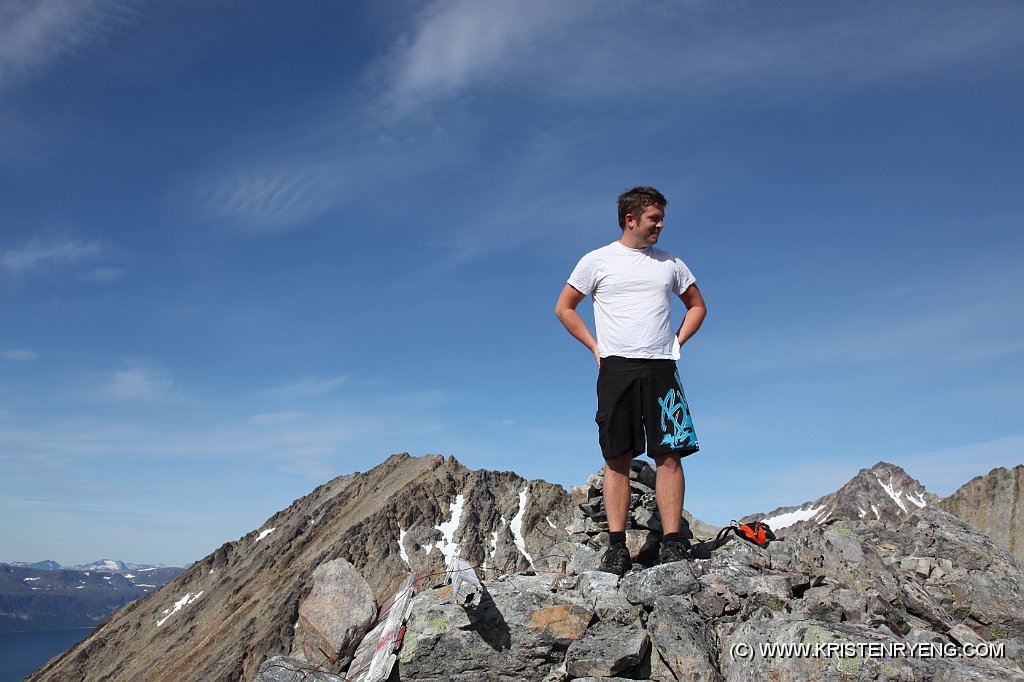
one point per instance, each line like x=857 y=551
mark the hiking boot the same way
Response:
x=615 y=560
x=673 y=550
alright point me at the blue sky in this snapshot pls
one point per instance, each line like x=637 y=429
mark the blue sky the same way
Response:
x=245 y=248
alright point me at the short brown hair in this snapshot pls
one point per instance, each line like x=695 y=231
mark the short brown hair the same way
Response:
x=634 y=201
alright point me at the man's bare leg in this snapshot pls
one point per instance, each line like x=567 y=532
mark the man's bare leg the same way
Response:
x=616 y=491
x=669 y=489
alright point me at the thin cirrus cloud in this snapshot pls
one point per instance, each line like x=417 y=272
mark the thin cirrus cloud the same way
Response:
x=274 y=197
x=699 y=48
x=136 y=381
x=20 y=354
x=35 y=34
x=271 y=418
x=300 y=389
x=457 y=43
x=572 y=53
x=39 y=255
x=104 y=275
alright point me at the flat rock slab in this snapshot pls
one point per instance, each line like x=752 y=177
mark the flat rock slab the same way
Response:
x=607 y=649
x=644 y=587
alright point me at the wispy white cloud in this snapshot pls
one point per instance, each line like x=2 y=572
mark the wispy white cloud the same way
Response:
x=601 y=49
x=136 y=381
x=39 y=254
x=274 y=196
x=104 y=275
x=20 y=354
x=413 y=118
x=269 y=418
x=458 y=43
x=307 y=387
x=35 y=33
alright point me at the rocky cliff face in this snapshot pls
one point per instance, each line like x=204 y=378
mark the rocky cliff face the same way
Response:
x=992 y=504
x=884 y=492
x=220 y=618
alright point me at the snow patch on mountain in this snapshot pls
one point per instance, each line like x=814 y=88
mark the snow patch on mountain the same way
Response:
x=447 y=544
x=920 y=501
x=517 y=527
x=789 y=518
x=894 y=494
x=401 y=545
x=178 y=605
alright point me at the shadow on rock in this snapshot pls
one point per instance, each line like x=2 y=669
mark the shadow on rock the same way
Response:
x=486 y=620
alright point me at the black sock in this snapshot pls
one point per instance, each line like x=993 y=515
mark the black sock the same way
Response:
x=672 y=537
x=616 y=538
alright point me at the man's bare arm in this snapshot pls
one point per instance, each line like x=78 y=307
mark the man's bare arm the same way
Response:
x=565 y=310
x=696 y=311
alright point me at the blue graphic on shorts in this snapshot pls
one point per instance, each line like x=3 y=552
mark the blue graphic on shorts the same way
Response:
x=676 y=414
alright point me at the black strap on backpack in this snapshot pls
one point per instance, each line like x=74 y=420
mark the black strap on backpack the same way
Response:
x=757 y=532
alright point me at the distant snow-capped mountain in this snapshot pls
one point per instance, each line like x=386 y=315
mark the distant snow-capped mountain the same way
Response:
x=46 y=565
x=34 y=598
x=106 y=565
x=884 y=492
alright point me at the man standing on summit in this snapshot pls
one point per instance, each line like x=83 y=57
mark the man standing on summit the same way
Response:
x=640 y=401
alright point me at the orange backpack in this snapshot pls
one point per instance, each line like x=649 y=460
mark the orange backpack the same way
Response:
x=757 y=532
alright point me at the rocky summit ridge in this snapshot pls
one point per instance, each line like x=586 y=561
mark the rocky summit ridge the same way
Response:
x=219 y=619
x=480 y=575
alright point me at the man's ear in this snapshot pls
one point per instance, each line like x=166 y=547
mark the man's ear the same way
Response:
x=630 y=221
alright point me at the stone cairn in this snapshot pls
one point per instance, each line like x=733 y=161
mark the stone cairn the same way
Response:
x=589 y=524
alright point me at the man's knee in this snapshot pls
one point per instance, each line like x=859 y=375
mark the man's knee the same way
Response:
x=670 y=461
x=620 y=464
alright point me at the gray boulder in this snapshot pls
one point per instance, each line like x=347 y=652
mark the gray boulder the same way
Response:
x=335 y=615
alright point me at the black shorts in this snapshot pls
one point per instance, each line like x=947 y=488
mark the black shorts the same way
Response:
x=641 y=408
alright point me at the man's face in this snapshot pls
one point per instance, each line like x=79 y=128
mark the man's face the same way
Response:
x=648 y=226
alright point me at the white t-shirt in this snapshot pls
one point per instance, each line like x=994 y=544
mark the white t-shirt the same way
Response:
x=633 y=291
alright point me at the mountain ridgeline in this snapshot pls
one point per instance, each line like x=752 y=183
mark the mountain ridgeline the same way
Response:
x=878 y=561
x=220 y=619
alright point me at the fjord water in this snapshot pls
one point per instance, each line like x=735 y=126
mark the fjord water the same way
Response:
x=23 y=652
